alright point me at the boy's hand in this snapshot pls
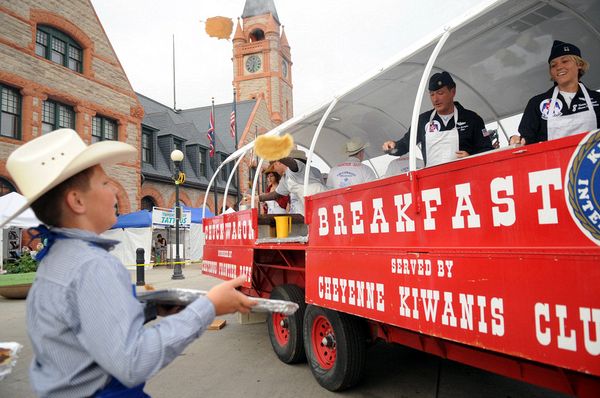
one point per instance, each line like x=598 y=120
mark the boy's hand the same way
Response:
x=227 y=299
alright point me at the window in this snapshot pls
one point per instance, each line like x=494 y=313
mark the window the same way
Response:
x=225 y=169
x=257 y=35
x=58 y=47
x=6 y=187
x=10 y=112
x=103 y=129
x=148 y=203
x=202 y=162
x=178 y=144
x=147 y=146
x=56 y=115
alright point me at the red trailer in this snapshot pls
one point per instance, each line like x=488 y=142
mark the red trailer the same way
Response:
x=492 y=260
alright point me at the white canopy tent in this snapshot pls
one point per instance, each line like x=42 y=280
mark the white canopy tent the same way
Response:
x=10 y=203
x=497 y=54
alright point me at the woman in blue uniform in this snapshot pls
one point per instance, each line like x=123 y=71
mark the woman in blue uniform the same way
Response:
x=567 y=108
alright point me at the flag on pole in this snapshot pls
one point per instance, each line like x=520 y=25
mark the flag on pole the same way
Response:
x=210 y=134
x=232 y=123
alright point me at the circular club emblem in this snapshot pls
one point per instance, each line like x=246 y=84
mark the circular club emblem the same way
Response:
x=583 y=186
x=545 y=108
x=433 y=127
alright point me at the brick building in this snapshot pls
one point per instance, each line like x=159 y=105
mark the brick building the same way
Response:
x=60 y=70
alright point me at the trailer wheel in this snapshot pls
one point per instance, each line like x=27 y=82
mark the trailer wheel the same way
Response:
x=335 y=346
x=285 y=332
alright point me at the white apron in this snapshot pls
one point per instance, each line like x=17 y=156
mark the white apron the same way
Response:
x=297 y=194
x=441 y=146
x=564 y=125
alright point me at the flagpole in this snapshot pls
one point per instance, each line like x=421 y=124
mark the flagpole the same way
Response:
x=237 y=175
x=174 y=95
x=215 y=158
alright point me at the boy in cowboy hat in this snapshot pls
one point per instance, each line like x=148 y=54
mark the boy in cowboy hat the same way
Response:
x=85 y=326
x=352 y=170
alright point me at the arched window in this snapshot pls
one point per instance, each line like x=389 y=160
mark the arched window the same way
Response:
x=6 y=187
x=257 y=35
x=58 y=47
x=148 y=203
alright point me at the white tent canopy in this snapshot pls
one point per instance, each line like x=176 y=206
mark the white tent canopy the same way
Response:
x=497 y=53
x=12 y=202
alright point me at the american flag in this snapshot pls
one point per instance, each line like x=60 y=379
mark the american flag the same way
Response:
x=210 y=134
x=232 y=124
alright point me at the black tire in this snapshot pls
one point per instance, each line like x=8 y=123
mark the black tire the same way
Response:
x=339 y=364
x=287 y=339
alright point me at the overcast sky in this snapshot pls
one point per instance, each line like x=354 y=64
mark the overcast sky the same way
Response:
x=333 y=43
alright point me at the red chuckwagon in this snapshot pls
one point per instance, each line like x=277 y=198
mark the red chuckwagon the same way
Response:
x=492 y=260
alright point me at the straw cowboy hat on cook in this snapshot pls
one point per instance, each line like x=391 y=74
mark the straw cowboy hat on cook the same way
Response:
x=355 y=145
x=43 y=163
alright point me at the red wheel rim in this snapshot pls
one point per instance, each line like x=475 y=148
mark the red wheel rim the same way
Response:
x=323 y=342
x=280 y=327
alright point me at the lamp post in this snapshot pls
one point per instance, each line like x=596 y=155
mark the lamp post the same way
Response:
x=177 y=157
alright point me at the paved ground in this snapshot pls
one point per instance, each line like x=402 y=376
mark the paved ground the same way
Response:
x=238 y=361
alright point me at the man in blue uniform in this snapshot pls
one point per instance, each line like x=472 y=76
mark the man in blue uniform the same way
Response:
x=448 y=131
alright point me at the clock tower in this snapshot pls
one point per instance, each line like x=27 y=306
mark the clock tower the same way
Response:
x=262 y=59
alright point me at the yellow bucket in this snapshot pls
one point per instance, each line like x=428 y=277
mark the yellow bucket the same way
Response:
x=283 y=225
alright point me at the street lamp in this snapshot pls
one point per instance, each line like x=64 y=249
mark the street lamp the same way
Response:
x=178 y=178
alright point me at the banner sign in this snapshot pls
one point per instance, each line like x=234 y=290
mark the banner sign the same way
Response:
x=166 y=218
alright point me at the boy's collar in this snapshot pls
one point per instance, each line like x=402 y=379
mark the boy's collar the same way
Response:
x=88 y=236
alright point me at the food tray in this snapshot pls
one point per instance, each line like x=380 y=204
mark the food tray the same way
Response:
x=186 y=296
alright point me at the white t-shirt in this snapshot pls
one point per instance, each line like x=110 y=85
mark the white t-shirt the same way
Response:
x=568 y=97
x=446 y=118
x=400 y=166
x=292 y=183
x=350 y=172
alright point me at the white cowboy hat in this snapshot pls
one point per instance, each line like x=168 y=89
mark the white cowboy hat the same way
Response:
x=43 y=163
x=355 y=145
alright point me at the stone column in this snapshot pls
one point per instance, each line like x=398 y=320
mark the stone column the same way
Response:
x=31 y=113
x=83 y=122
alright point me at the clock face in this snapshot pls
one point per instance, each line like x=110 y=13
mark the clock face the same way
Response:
x=284 y=68
x=253 y=63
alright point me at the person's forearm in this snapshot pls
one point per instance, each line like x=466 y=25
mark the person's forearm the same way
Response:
x=273 y=195
x=290 y=163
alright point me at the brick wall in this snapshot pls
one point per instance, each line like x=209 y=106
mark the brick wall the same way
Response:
x=101 y=89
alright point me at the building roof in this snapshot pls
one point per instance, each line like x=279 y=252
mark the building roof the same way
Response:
x=190 y=126
x=253 y=8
